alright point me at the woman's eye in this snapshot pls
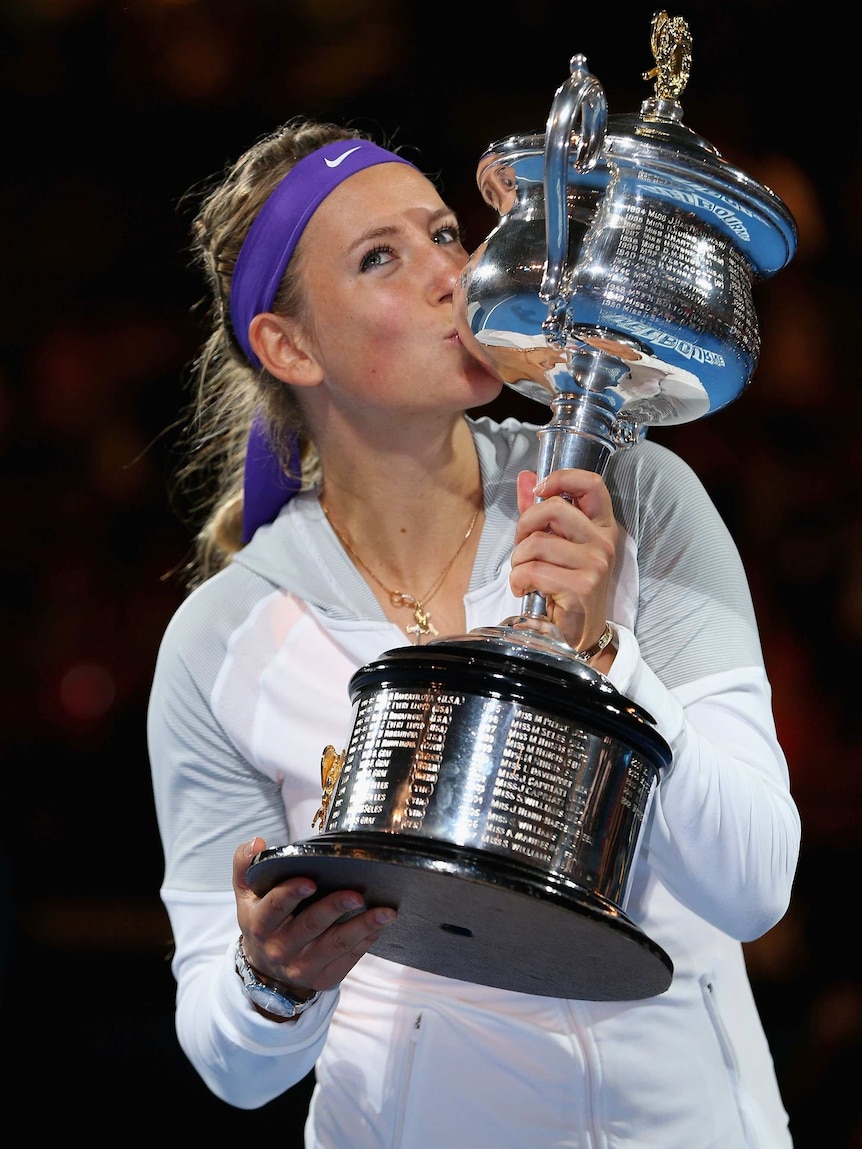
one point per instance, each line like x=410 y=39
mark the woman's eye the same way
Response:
x=449 y=234
x=375 y=258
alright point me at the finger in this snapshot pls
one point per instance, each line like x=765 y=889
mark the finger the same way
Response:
x=336 y=950
x=343 y=914
x=555 y=516
x=242 y=859
x=561 y=517
x=293 y=890
x=574 y=587
x=564 y=558
x=587 y=489
x=575 y=504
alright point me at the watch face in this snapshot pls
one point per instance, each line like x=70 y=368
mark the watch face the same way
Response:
x=265 y=997
x=272 y=1002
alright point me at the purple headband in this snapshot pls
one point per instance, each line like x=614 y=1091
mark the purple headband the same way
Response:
x=260 y=266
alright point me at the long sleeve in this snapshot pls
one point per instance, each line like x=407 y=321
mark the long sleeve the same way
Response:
x=219 y=778
x=244 y=1058
x=724 y=831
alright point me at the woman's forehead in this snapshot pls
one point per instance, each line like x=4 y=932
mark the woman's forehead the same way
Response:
x=379 y=194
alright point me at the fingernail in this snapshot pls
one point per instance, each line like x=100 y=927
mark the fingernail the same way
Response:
x=248 y=848
x=384 y=916
x=304 y=890
x=352 y=902
x=539 y=487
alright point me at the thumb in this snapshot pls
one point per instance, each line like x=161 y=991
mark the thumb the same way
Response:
x=242 y=859
x=526 y=495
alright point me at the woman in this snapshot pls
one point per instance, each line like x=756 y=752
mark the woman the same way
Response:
x=359 y=508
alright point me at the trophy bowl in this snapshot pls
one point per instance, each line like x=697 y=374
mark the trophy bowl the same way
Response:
x=495 y=787
x=620 y=270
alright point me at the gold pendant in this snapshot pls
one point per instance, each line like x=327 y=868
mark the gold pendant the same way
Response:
x=424 y=625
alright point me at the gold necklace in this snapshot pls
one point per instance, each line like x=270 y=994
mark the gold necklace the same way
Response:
x=422 y=619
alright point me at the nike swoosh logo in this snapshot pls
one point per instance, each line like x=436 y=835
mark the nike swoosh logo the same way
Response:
x=340 y=159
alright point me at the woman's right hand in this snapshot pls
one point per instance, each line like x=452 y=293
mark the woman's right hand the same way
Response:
x=565 y=549
x=310 y=950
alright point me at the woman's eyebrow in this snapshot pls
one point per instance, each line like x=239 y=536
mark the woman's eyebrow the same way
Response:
x=375 y=233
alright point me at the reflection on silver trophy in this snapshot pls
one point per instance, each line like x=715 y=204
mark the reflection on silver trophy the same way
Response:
x=495 y=786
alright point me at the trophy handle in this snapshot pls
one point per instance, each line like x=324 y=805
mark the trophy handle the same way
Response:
x=581 y=95
x=580 y=98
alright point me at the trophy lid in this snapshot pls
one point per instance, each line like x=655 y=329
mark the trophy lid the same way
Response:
x=657 y=151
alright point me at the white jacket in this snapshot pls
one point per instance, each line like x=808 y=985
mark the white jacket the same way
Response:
x=252 y=682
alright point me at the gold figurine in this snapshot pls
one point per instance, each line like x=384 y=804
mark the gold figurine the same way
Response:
x=670 y=40
x=330 y=771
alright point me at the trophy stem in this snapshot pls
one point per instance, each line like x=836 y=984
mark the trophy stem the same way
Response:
x=580 y=434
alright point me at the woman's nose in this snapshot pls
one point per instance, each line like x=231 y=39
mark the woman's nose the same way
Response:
x=448 y=263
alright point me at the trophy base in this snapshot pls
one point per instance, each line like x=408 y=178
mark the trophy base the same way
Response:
x=478 y=918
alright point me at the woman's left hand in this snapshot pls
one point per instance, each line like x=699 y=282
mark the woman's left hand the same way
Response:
x=565 y=549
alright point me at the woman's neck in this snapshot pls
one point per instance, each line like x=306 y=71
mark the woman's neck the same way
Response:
x=404 y=512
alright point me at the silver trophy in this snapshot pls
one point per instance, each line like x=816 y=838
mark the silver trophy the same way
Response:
x=494 y=788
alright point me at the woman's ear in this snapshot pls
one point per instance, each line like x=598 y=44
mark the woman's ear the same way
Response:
x=276 y=342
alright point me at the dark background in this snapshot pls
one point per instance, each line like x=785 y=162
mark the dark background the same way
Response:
x=111 y=111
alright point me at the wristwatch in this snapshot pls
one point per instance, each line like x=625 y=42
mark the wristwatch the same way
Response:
x=269 y=995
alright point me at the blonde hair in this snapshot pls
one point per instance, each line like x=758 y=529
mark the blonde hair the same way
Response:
x=227 y=390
